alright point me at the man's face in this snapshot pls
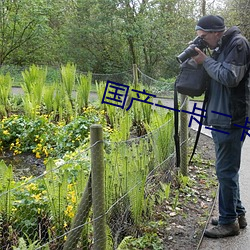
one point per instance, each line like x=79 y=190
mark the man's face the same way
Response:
x=211 y=38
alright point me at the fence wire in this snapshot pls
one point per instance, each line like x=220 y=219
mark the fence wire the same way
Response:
x=42 y=208
x=41 y=211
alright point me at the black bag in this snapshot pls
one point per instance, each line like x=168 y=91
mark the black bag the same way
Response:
x=192 y=80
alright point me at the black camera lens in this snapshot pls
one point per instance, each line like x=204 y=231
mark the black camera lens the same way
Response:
x=190 y=50
x=187 y=53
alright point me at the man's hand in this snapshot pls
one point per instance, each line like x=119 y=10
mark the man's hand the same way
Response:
x=200 y=58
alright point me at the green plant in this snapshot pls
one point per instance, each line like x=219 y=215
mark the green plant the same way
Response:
x=141 y=111
x=122 y=122
x=176 y=199
x=22 y=134
x=34 y=81
x=161 y=128
x=184 y=181
x=28 y=244
x=48 y=98
x=100 y=88
x=164 y=191
x=30 y=208
x=56 y=187
x=5 y=90
x=6 y=196
x=83 y=91
x=68 y=74
x=43 y=137
x=126 y=172
x=147 y=241
x=65 y=181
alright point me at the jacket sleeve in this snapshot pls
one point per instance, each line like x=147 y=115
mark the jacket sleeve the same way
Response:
x=234 y=66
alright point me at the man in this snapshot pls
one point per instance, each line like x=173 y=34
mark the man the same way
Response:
x=227 y=109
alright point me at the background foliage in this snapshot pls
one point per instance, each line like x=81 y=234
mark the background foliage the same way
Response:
x=106 y=36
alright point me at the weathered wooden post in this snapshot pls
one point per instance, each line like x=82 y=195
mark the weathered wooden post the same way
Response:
x=80 y=218
x=135 y=75
x=184 y=136
x=98 y=194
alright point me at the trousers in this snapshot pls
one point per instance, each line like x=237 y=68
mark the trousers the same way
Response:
x=228 y=157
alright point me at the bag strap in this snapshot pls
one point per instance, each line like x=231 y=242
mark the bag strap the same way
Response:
x=199 y=127
x=176 y=126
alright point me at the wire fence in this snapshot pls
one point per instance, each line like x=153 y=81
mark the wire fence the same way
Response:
x=55 y=210
x=42 y=209
x=161 y=86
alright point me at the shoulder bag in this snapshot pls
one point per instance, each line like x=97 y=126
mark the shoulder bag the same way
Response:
x=192 y=79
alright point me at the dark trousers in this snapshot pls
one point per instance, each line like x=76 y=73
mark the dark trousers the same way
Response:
x=228 y=157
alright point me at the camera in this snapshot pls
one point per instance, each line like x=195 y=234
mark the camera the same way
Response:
x=190 y=51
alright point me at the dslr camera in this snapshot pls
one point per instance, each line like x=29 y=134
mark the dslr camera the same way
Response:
x=190 y=51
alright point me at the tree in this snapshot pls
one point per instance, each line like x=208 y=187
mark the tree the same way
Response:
x=21 y=21
x=237 y=13
x=109 y=35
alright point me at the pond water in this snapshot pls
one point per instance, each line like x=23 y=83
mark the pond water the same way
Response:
x=24 y=165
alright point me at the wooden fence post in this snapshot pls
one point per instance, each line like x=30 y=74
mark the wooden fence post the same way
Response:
x=98 y=194
x=80 y=218
x=184 y=136
x=135 y=75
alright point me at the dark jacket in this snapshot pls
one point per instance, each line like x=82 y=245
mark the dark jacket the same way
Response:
x=229 y=89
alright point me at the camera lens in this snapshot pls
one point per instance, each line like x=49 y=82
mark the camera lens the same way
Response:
x=187 y=53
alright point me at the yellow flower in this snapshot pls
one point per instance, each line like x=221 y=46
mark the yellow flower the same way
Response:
x=38 y=156
x=17 y=152
x=31 y=187
x=73 y=199
x=6 y=132
x=37 y=196
x=45 y=151
x=14 y=209
x=69 y=211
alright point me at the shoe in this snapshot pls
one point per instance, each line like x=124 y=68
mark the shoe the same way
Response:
x=241 y=219
x=221 y=231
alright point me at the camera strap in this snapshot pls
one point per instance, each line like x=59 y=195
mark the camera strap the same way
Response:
x=199 y=127
x=176 y=125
